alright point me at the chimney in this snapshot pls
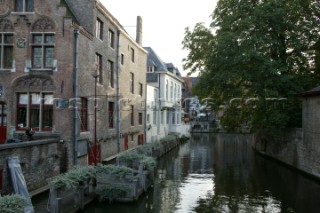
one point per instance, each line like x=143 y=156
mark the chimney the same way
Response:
x=139 y=30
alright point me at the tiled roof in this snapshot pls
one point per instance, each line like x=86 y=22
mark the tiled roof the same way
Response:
x=155 y=60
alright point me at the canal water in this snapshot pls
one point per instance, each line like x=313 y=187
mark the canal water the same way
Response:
x=221 y=173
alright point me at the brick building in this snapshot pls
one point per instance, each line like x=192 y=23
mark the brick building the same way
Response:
x=64 y=67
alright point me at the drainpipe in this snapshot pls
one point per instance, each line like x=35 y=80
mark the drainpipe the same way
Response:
x=159 y=111
x=145 y=112
x=118 y=92
x=75 y=96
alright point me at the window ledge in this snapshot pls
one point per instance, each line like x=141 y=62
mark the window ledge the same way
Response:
x=47 y=70
x=7 y=70
x=22 y=13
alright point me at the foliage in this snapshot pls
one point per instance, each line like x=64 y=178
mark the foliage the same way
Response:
x=168 y=138
x=256 y=49
x=148 y=162
x=111 y=191
x=148 y=147
x=119 y=171
x=71 y=179
x=129 y=156
x=12 y=203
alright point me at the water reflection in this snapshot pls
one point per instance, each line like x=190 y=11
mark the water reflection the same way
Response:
x=220 y=173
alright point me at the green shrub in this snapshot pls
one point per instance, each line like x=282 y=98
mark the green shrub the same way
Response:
x=12 y=203
x=111 y=191
x=148 y=162
x=71 y=179
x=119 y=171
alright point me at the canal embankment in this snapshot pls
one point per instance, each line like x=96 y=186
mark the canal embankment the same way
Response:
x=122 y=179
x=293 y=148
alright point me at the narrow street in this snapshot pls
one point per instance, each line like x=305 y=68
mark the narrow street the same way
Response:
x=221 y=173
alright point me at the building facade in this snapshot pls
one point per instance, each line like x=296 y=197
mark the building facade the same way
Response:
x=64 y=72
x=163 y=107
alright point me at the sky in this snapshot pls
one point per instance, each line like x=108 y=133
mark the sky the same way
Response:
x=163 y=23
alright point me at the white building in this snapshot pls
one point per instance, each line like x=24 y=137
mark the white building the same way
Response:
x=163 y=106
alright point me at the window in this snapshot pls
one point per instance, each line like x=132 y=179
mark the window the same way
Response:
x=84 y=114
x=23 y=5
x=162 y=117
x=140 y=89
x=6 y=50
x=171 y=91
x=99 y=69
x=110 y=73
x=132 y=54
x=155 y=92
x=140 y=118
x=132 y=116
x=132 y=83
x=168 y=117
x=173 y=118
x=42 y=50
x=111 y=114
x=175 y=92
x=35 y=110
x=150 y=69
x=148 y=118
x=111 y=38
x=122 y=59
x=154 y=117
x=167 y=90
x=3 y=114
x=99 y=29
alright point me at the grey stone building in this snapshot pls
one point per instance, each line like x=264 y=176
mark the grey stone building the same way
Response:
x=64 y=72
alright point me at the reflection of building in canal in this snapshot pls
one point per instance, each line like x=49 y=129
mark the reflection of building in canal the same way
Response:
x=200 y=155
x=166 y=189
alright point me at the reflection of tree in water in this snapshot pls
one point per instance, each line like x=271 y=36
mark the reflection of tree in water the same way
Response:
x=246 y=182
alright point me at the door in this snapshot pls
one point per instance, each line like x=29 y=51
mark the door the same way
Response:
x=94 y=155
x=3 y=122
x=126 y=142
x=140 y=139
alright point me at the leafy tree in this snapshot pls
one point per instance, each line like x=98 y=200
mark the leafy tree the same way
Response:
x=257 y=48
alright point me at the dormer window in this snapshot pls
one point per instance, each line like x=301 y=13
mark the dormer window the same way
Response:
x=24 y=5
x=150 y=68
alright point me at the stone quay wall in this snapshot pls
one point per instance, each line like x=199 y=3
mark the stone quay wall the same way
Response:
x=293 y=149
x=39 y=161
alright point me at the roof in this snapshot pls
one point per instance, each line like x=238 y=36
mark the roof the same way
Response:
x=313 y=92
x=159 y=65
x=155 y=60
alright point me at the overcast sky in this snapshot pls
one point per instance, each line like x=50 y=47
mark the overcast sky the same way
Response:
x=163 y=22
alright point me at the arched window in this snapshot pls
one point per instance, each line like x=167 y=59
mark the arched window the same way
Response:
x=34 y=109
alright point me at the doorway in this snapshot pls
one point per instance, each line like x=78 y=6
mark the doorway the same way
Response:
x=3 y=122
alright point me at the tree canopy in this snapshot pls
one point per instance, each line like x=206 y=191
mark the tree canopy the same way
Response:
x=261 y=52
